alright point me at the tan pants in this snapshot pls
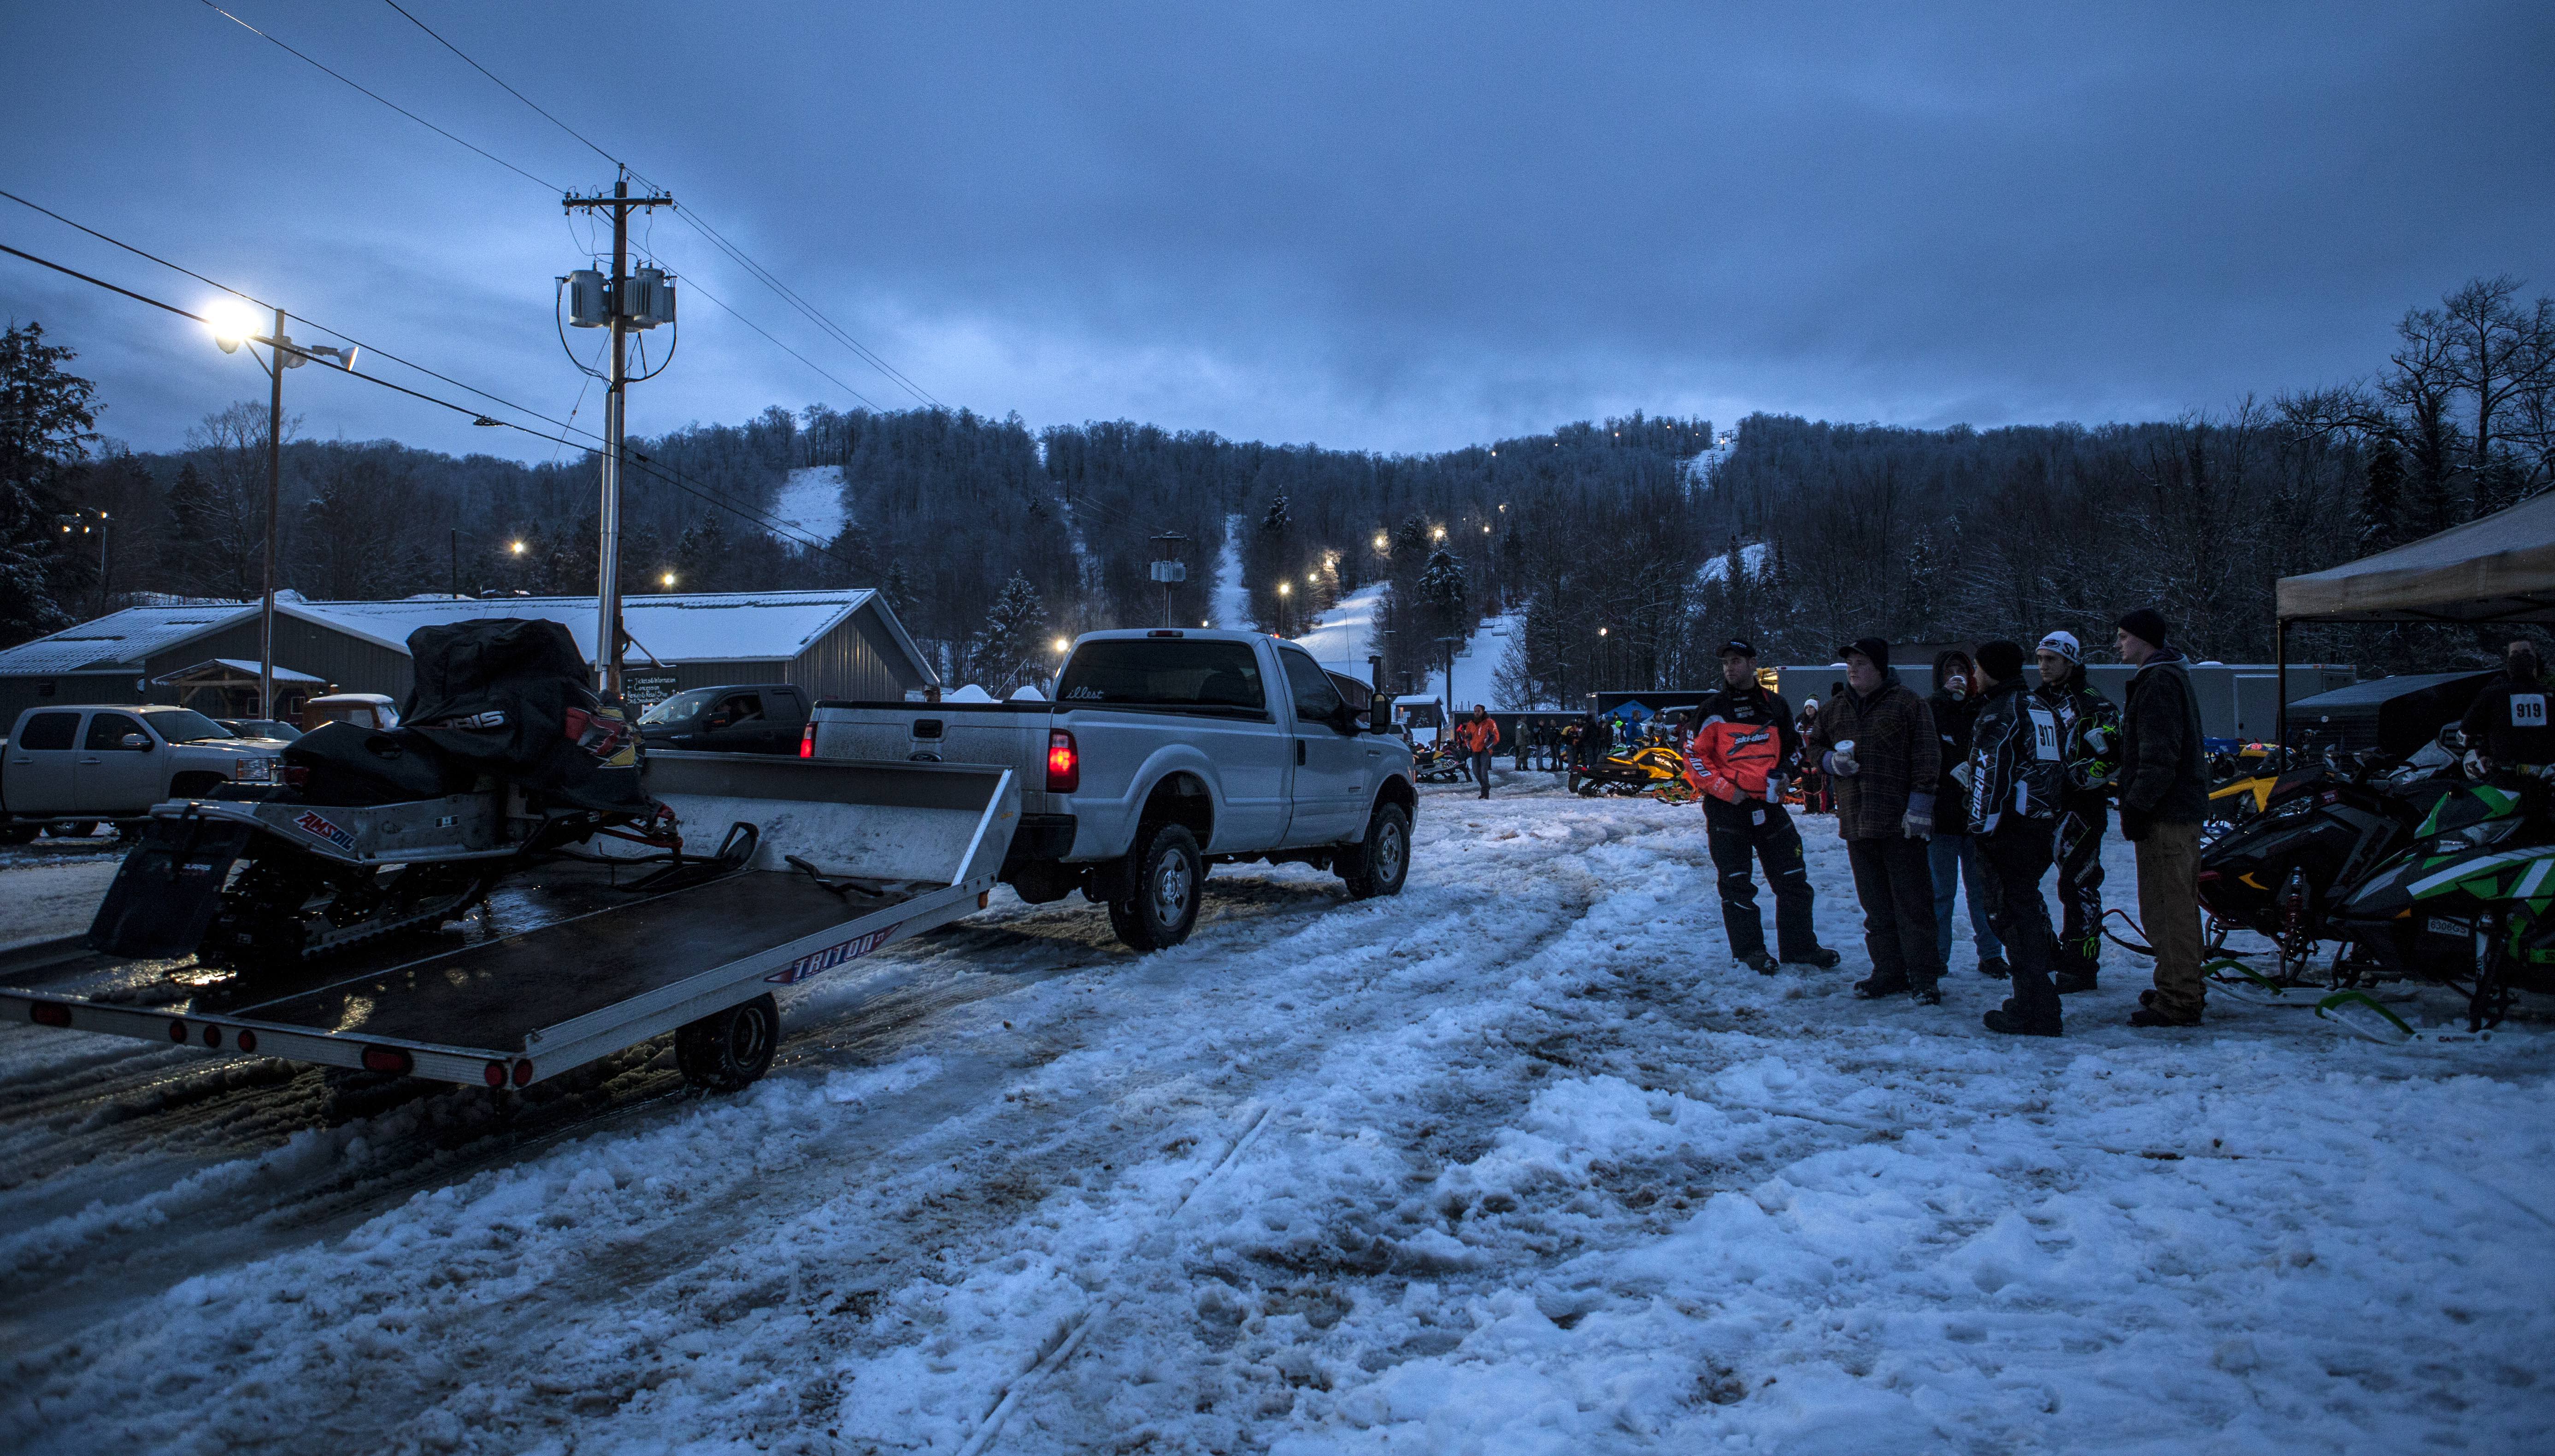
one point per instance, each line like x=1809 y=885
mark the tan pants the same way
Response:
x=2170 y=911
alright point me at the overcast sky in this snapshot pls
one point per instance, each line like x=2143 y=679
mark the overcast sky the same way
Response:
x=1383 y=226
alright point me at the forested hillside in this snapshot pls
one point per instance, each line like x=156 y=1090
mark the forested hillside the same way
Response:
x=1623 y=557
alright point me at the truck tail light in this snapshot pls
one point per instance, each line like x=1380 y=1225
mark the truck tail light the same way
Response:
x=1063 y=763
x=807 y=740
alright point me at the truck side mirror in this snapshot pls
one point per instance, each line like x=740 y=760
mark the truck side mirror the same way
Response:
x=136 y=740
x=1378 y=714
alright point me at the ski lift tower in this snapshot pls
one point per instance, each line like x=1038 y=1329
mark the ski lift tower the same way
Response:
x=1169 y=568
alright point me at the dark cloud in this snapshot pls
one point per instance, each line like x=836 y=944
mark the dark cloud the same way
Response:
x=1391 y=226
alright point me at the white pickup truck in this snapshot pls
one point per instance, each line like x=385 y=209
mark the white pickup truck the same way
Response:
x=77 y=766
x=1165 y=750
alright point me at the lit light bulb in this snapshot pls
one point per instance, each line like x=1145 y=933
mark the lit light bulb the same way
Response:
x=1062 y=644
x=231 y=323
x=516 y=546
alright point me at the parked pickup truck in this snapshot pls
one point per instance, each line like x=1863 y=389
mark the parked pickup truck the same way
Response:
x=1163 y=752
x=81 y=766
x=757 y=717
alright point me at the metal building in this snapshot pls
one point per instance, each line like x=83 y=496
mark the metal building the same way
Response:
x=835 y=644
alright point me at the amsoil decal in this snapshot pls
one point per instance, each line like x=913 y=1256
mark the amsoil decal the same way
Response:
x=319 y=828
x=831 y=956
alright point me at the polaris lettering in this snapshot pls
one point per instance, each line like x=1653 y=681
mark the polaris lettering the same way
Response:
x=816 y=962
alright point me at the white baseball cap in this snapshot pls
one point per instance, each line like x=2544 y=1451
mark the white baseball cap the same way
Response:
x=2065 y=645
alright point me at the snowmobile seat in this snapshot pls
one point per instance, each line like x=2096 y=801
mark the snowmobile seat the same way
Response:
x=358 y=767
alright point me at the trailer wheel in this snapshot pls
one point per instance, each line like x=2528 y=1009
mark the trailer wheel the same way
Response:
x=725 y=1050
x=1380 y=864
x=73 y=829
x=1160 y=904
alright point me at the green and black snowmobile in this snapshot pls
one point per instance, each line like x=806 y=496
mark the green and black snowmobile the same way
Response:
x=2469 y=905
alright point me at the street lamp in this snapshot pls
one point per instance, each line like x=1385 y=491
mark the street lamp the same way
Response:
x=667 y=580
x=232 y=325
x=1281 y=608
x=1383 y=543
x=1062 y=646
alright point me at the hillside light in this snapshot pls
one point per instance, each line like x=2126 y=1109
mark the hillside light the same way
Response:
x=1283 y=588
x=1601 y=632
x=516 y=546
x=1382 y=542
x=1062 y=646
x=668 y=581
x=1437 y=534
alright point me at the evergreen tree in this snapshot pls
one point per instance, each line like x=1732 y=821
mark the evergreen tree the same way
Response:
x=46 y=420
x=702 y=555
x=1006 y=649
x=2381 y=498
x=897 y=590
x=1442 y=587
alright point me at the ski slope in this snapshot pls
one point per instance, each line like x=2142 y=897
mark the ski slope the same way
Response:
x=815 y=502
x=1517 y=1161
x=1345 y=636
x=1231 y=603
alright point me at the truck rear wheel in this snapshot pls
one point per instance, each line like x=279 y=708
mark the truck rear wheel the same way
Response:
x=1160 y=904
x=728 y=1050
x=1380 y=864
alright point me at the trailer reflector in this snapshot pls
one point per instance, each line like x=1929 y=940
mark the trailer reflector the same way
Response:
x=213 y=1036
x=49 y=1014
x=523 y=1075
x=495 y=1074
x=177 y=1031
x=387 y=1059
x=247 y=1039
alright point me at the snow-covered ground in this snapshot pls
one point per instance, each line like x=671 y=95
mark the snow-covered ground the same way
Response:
x=54 y=895
x=1752 y=556
x=1231 y=608
x=1517 y=1161
x=814 y=503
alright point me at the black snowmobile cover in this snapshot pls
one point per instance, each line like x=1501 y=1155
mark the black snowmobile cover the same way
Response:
x=350 y=764
x=507 y=696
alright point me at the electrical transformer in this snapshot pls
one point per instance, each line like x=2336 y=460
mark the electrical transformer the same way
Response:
x=587 y=305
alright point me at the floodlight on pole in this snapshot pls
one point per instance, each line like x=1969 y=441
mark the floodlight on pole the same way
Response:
x=231 y=323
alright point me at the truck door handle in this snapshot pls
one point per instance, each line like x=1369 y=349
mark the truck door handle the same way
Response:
x=1299 y=752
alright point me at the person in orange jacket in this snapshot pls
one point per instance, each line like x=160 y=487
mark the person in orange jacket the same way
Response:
x=1478 y=734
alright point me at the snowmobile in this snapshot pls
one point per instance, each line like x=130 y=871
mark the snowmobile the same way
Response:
x=504 y=759
x=1651 y=768
x=2468 y=905
x=1439 y=762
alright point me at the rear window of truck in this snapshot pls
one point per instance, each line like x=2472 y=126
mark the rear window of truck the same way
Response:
x=1219 y=679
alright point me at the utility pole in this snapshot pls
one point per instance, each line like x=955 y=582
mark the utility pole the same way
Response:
x=1169 y=568
x=621 y=318
x=274 y=491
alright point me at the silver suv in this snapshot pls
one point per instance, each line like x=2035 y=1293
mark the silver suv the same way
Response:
x=82 y=766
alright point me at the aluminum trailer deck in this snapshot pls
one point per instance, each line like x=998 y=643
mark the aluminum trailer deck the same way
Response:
x=900 y=849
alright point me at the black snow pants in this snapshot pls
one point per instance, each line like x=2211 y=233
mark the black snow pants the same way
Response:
x=1738 y=831
x=1896 y=887
x=2017 y=855
x=2080 y=889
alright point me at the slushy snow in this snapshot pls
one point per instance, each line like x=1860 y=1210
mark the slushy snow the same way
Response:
x=1516 y=1162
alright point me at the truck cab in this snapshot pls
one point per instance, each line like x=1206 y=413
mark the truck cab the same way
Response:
x=113 y=763
x=751 y=717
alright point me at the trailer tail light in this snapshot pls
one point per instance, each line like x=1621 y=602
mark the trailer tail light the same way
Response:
x=494 y=1074
x=213 y=1036
x=523 y=1075
x=807 y=740
x=1063 y=763
x=295 y=777
x=387 y=1059
x=177 y=1031
x=49 y=1014
x=247 y=1039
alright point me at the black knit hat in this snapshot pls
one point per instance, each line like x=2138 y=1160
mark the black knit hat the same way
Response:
x=2000 y=659
x=1877 y=648
x=2147 y=624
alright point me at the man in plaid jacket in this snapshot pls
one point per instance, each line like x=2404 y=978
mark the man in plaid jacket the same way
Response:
x=1876 y=741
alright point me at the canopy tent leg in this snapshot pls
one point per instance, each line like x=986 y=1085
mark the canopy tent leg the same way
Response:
x=2281 y=677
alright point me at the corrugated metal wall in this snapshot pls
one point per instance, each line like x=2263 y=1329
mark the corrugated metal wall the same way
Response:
x=351 y=664
x=17 y=694
x=857 y=659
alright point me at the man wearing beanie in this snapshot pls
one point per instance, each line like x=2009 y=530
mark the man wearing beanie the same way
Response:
x=1875 y=741
x=2084 y=716
x=2014 y=761
x=2162 y=798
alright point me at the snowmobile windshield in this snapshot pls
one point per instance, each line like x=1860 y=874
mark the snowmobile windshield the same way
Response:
x=682 y=707
x=184 y=725
x=1220 y=678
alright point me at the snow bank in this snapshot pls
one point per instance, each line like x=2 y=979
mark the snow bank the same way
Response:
x=815 y=503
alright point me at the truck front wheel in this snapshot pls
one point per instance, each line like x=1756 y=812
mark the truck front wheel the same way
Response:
x=725 y=1050
x=1161 y=902
x=1378 y=864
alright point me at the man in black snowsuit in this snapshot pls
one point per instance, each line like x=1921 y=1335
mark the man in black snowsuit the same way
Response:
x=2507 y=725
x=1759 y=828
x=2083 y=814
x=2013 y=808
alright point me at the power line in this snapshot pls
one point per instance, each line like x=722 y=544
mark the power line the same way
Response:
x=760 y=274
x=376 y=96
x=695 y=285
x=756 y=515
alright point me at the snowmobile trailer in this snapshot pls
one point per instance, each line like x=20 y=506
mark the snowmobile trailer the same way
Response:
x=849 y=857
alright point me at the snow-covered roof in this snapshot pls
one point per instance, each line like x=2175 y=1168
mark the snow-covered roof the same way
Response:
x=119 y=640
x=672 y=626
x=244 y=667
